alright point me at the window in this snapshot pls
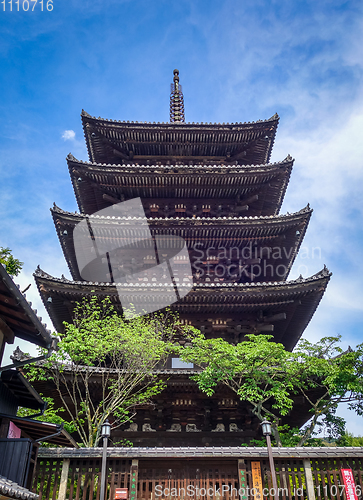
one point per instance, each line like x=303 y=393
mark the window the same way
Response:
x=178 y=363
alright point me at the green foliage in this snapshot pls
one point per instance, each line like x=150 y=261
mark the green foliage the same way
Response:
x=104 y=365
x=268 y=377
x=289 y=438
x=258 y=370
x=347 y=439
x=51 y=415
x=337 y=376
x=123 y=443
x=13 y=266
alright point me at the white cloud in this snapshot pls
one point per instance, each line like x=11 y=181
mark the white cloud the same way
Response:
x=69 y=135
x=328 y=174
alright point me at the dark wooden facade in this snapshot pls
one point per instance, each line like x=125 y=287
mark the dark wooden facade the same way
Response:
x=212 y=185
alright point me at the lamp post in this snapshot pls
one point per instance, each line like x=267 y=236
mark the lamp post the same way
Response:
x=266 y=431
x=105 y=434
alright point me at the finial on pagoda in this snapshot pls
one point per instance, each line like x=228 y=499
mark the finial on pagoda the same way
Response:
x=176 y=100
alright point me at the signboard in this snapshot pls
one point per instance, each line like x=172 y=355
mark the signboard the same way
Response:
x=121 y=493
x=257 y=480
x=133 y=479
x=349 y=484
x=242 y=476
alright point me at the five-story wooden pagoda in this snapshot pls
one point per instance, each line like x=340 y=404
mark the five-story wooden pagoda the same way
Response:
x=212 y=185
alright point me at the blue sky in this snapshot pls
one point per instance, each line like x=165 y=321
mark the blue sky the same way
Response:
x=238 y=61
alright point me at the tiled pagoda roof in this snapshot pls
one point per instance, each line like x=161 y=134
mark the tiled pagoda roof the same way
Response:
x=297 y=299
x=260 y=187
x=109 y=141
x=17 y=318
x=282 y=231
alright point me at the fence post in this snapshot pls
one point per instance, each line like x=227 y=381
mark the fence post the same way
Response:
x=283 y=478
x=134 y=472
x=64 y=478
x=309 y=479
x=242 y=479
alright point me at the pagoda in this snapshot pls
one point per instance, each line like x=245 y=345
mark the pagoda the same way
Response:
x=214 y=186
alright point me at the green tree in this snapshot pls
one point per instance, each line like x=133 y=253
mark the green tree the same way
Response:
x=104 y=365
x=336 y=376
x=290 y=437
x=258 y=370
x=13 y=266
x=348 y=439
x=51 y=415
x=268 y=377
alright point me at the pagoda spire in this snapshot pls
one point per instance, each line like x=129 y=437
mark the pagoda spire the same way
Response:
x=176 y=100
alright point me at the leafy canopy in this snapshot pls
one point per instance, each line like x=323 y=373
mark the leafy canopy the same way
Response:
x=268 y=377
x=51 y=415
x=104 y=365
x=257 y=369
x=13 y=266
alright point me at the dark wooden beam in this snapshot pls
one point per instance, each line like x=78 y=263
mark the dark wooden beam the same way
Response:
x=7 y=331
x=275 y=317
x=110 y=199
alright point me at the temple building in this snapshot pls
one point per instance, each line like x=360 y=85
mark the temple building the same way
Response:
x=21 y=436
x=214 y=186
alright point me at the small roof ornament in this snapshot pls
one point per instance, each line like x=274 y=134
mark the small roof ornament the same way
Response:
x=176 y=100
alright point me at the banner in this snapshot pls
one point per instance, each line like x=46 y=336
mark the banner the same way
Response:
x=349 y=484
x=14 y=431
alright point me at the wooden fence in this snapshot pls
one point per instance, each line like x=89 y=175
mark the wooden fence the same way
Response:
x=328 y=481
x=196 y=479
x=83 y=478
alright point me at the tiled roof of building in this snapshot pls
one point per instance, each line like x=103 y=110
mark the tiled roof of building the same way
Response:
x=223 y=452
x=296 y=299
x=255 y=189
x=285 y=231
x=18 y=316
x=110 y=141
x=9 y=489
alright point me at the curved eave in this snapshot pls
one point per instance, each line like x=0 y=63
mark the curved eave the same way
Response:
x=298 y=299
x=285 y=231
x=97 y=185
x=19 y=317
x=109 y=139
